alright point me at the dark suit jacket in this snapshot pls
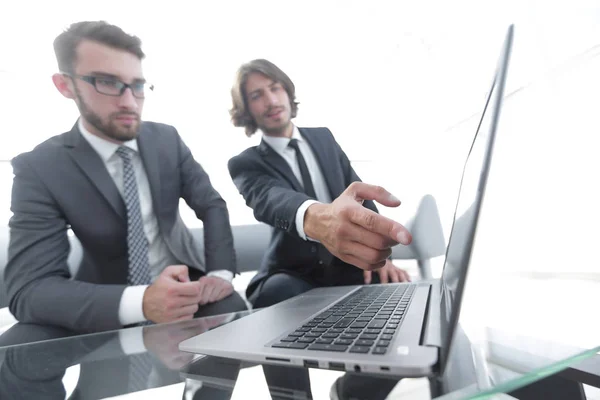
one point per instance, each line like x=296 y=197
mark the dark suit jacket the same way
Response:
x=270 y=188
x=63 y=183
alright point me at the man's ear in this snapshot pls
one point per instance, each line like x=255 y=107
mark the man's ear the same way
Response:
x=64 y=85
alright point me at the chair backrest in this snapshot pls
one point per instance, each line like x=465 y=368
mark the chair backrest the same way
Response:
x=250 y=243
x=427 y=232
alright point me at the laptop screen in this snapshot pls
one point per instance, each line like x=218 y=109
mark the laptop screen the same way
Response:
x=470 y=195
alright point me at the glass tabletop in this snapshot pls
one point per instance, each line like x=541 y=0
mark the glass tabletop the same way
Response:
x=145 y=361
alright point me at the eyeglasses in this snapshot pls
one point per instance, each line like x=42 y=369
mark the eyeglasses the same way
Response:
x=114 y=87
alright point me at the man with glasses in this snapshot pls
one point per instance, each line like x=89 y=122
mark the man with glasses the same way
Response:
x=116 y=182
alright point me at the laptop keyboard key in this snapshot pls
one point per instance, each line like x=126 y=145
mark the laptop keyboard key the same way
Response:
x=363 y=342
x=344 y=322
x=377 y=324
x=359 y=349
x=345 y=342
x=290 y=345
x=368 y=336
x=367 y=314
x=332 y=320
x=349 y=336
x=324 y=341
x=328 y=347
x=297 y=345
x=379 y=350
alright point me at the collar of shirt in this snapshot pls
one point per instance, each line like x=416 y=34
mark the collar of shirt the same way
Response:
x=279 y=144
x=103 y=147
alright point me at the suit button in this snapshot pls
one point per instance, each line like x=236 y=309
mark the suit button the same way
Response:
x=313 y=249
x=320 y=262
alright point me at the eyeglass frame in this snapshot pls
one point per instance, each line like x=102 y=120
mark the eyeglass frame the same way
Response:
x=91 y=79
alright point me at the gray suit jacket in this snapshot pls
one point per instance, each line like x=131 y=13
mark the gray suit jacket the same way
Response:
x=271 y=189
x=64 y=184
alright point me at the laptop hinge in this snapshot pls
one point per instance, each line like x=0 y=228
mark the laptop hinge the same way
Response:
x=432 y=335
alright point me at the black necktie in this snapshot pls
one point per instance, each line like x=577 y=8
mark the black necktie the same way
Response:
x=306 y=181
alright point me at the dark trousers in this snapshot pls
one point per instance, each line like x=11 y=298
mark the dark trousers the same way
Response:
x=230 y=304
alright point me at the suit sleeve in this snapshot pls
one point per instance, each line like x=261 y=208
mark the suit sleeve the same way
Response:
x=271 y=199
x=349 y=174
x=211 y=209
x=37 y=276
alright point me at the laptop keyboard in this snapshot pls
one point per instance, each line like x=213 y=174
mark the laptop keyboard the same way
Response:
x=364 y=322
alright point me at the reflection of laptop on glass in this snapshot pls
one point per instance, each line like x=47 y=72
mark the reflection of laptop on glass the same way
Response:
x=223 y=374
x=401 y=329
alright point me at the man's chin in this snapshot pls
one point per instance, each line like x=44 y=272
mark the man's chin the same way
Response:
x=122 y=136
x=276 y=129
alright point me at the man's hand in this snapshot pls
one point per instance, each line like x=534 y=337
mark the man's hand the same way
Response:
x=213 y=288
x=388 y=273
x=172 y=297
x=354 y=233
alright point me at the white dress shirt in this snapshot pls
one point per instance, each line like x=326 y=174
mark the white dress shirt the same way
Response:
x=280 y=145
x=159 y=256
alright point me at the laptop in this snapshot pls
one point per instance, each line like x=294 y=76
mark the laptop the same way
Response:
x=399 y=329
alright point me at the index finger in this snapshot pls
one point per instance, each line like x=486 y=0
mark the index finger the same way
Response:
x=187 y=288
x=384 y=226
x=364 y=191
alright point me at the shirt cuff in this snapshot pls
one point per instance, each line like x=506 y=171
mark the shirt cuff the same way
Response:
x=300 y=219
x=223 y=274
x=131 y=309
x=132 y=340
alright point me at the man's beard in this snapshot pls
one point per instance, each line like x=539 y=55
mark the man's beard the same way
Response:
x=110 y=129
x=277 y=130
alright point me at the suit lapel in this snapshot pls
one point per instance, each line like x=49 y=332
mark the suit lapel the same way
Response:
x=93 y=167
x=326 y=157
x=150 y=159
x=279 y=164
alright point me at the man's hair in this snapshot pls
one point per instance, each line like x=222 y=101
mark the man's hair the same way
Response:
x=65 y=44
x=240 y=115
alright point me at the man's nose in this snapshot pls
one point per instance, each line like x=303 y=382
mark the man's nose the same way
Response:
x=128 y=101
x=272 y=99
